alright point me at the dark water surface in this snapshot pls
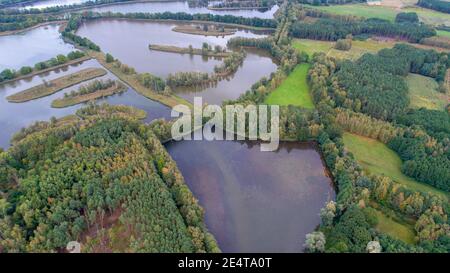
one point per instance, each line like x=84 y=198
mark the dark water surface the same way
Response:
x=255 y=201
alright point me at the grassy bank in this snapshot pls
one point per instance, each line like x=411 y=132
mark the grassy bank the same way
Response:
x=69 y=101
x=132 y=81
x=294 y=90
x=56 y=85
x=377 y=158
x=423 y=92
x=186 y=50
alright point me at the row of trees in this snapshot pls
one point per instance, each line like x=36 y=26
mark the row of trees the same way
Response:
x=230 y=19
x=9 y=74
x=332 y=29
x=92 y=87
x=439 y=5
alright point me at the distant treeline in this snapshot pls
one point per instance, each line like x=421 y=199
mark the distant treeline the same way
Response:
x=9 y=74
x=442 y=6
x=328 y=2
x=332 y=29
x=229 y=19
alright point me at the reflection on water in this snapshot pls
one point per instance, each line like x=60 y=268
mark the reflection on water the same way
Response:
x=128 y=41
x=31 y=47
x=14 y=116
x=255 y=201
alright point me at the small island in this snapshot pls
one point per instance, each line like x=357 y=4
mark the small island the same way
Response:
x=94 y=90
x=206 y=50
x=206 y=30
x=53 y=86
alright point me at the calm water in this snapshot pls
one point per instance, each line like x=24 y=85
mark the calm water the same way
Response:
x=128 y=41
x=255 y=201
x=31 y=47
x=181 y=6
x=14 y=116
x=154 y=7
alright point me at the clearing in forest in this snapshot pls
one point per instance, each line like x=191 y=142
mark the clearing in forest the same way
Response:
x=294 y=90
x=423 y=92
x=395 y=228
x=377 y=158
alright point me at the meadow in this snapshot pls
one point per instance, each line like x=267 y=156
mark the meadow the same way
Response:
x=294 y=90
x=395 y=228
x=385 y=12
x=376 y=158
x=357 y=50
x=423 y=92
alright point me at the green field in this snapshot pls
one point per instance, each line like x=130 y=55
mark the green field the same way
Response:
x=377 y=158
x=361 y=10
x=388 y=13
x=423 y=93
x=357 y=50
x=312 y=46
x=443 y=33
x=294 y=90
x=394 y=228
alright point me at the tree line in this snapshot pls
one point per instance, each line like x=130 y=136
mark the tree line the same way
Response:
x=439 y=5
x=10 y=74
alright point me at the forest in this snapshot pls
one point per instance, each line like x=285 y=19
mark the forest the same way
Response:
x=439 y=5
x=332 y=29
x=65 y=180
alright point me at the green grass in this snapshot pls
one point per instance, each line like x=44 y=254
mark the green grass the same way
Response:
x=357 y=50
x=312 y=46
x=361 y=10
x=294 y=90
x=388 y=13
x=377 y=158
x=443 y=33
x=396 y=229
x=423 y=93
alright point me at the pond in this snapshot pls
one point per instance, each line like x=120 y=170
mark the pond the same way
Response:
x=14 y=116
x=129 y=43
x=255 y=201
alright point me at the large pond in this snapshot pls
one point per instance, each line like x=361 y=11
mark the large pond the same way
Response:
x=255 y=201
x=14 y=116
x=156 y=6
x=31 y=47
x=129 y=42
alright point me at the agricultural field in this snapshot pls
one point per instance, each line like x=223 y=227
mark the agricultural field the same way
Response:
x=357 y=50
x=423 y=92
x=387 y=12
x=294 y=90
x=443 y=33
x=376 y=158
